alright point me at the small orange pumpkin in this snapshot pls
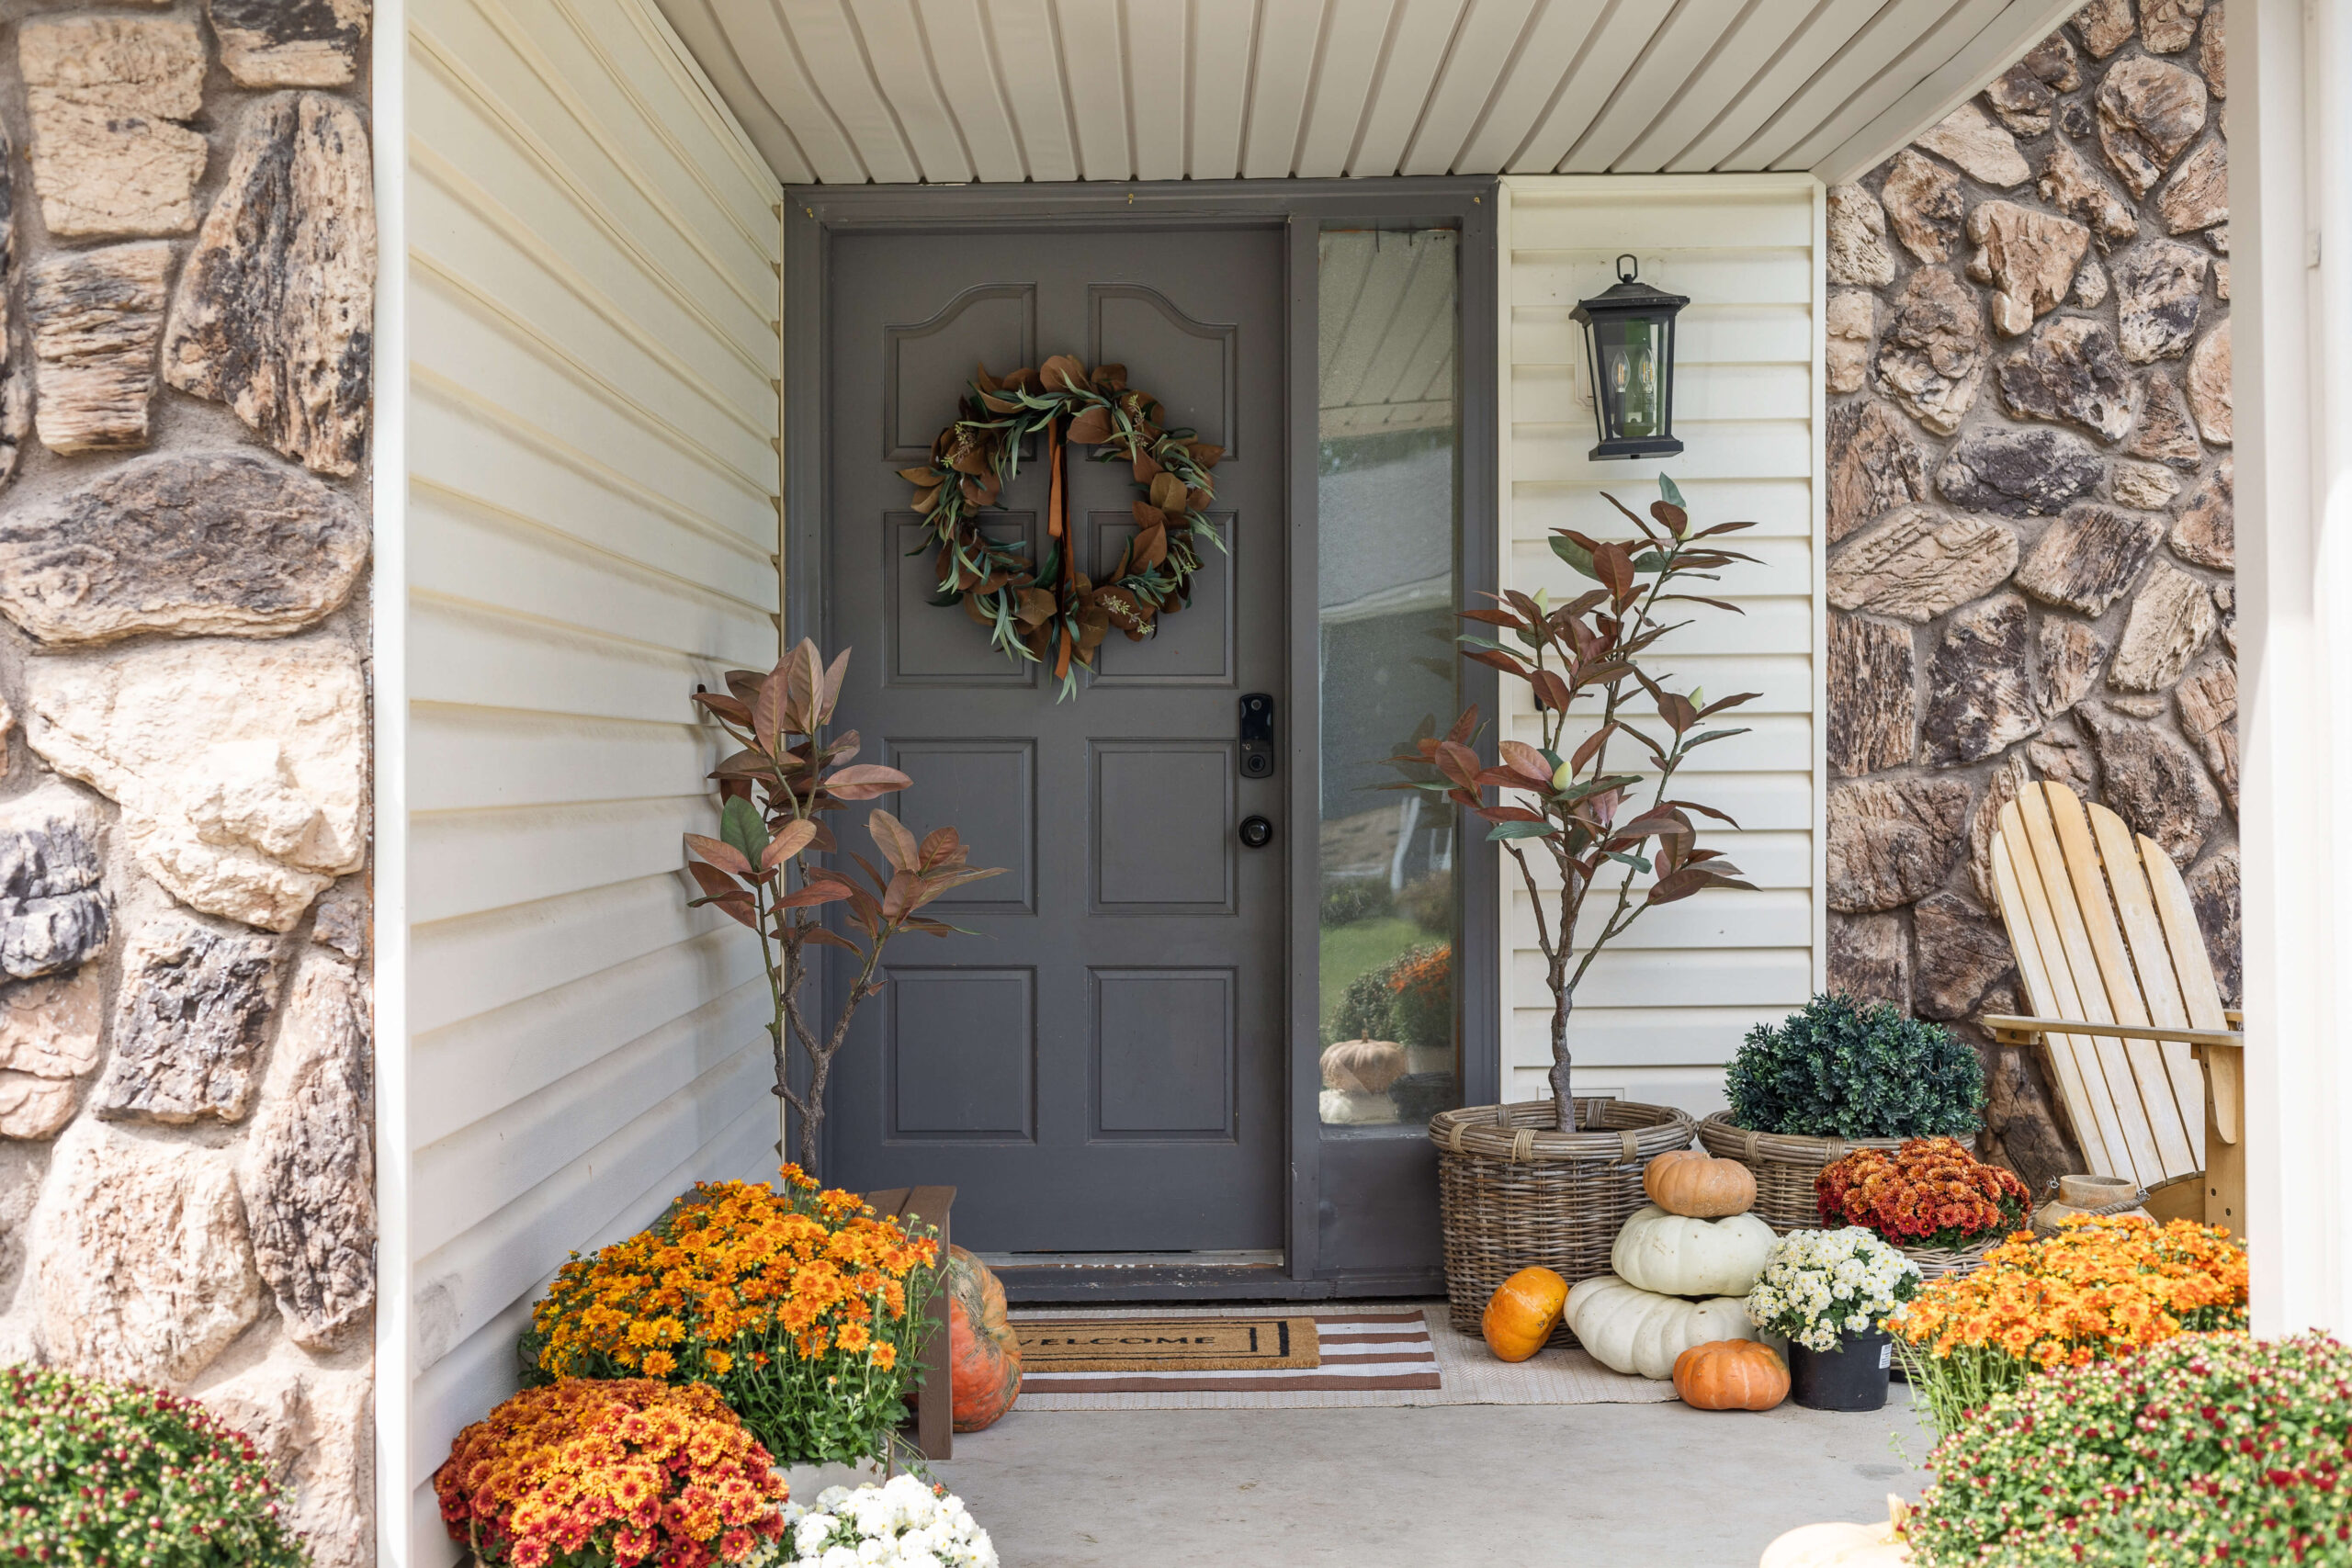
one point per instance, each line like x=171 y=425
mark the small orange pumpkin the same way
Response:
x=1521 y=1315
x=983 y=1355
x=1731 y=1374
x=1687 y=1182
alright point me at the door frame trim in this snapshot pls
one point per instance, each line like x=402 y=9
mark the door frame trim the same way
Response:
x=814 y=214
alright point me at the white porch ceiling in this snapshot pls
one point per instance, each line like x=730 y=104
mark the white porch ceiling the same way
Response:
x=848 y=91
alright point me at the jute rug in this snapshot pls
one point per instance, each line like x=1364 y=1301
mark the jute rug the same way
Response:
x=1374 y=1355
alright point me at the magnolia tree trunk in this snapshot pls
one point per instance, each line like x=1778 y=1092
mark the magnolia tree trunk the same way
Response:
x=1562 y=1106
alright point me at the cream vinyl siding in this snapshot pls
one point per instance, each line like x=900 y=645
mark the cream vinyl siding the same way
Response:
x=592 y=423
x=1665 y=1006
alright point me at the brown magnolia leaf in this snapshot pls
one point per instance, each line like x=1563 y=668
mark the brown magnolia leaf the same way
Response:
x=1198 y=499
x=814 y=892
x=1149 y=549
x=1147 y=515
x=1525 y=759
x=723 y=855
x=926 y=478
x=864 y=781
x=726 y=707
x=925 y=501
x=1062 y=373
x=1550 y=690
x=1677 y=521
x=1090 y=428
x=1036 y=608
x=995 y=404
x=1168 y=492
x=898 y=845
x=789 y=840
x=1110 y=378
x=1458 y=762
x=834 y=939
x=715 y=883
x=742 y=907
x=744 y=683
x=1207 y=454
x=1145 y=467
x=982 y=379
x=941 y=846
x=1463 y=728
x=833 y=692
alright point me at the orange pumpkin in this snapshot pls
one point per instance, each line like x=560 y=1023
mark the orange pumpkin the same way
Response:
x=1521 y=1315
x=1731 y=1374
x=984 y=1357
x=1699 y=1186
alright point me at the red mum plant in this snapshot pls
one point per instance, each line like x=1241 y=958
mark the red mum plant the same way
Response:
x=592 y=1473
x=1930 y=1193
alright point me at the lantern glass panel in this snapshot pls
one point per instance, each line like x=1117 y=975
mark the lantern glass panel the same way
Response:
x=1633 y=359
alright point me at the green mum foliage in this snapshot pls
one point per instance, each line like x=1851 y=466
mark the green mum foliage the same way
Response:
x=1837 y=1069
x=98 y=1475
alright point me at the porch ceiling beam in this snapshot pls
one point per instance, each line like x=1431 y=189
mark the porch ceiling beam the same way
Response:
x=1997 y=46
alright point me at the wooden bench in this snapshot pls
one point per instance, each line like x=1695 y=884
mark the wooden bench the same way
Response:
x=934 y=1409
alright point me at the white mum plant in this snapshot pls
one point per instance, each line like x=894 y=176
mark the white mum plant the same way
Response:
x=1819 y=1286
x=901 y=1524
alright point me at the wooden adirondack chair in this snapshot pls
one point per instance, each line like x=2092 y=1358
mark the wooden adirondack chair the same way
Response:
x=2123 y=998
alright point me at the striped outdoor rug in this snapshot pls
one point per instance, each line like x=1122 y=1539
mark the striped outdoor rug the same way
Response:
x=1358 y=1351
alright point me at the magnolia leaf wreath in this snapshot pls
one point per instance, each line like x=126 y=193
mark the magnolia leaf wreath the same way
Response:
x=1051 y=611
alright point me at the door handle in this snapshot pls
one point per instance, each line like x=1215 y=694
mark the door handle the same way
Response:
x=1256 y=832
x=1257 y=735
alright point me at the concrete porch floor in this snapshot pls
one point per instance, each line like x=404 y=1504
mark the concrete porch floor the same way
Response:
x=1562 y=1486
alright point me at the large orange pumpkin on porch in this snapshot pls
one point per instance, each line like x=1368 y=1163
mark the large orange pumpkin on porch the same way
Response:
x=1731 y=1374
x=983 y=1356
x=1685 y=1181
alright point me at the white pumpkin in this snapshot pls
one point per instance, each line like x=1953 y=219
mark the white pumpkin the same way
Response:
x=1678 y=1256
x=1628 y=1329
x=1844 y=1546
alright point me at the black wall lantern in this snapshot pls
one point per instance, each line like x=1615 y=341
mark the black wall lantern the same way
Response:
x=1629 y=341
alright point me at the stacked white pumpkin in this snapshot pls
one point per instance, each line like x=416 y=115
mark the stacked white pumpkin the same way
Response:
x=1681 y=1267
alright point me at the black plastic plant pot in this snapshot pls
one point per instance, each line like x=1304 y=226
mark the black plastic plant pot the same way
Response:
x=1851 y=1377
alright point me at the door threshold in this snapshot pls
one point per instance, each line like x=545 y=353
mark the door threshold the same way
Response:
x=1270 y=1258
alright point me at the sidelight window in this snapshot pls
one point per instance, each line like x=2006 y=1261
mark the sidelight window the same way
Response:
x=1388 y=494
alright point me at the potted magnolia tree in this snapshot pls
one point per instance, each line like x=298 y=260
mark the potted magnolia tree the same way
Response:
x=761 y=869
x=1591 y=815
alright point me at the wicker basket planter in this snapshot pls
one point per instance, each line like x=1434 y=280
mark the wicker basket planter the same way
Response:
x=1785 y=1165
x=1936 y=1265
x=1514 y=1192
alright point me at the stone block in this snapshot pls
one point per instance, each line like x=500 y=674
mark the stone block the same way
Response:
x=194 y=1013
x=314 y=1428
x=103 y=93
x=1964 y=959
x=2160 y=290
x=2072 y=656
x=2157 y=785
x=53 y=914
x=186 y=543
x=1920 y=563
x=2087 y=558
x=1850 y=320
x=2208 y=715
x=240 y=766
x=1874 y=467
x=289 y=43
x=1980 y=683
x=2172 y=618
x=2006 y=782
x=2148 y=486
x=2209 y=387
x=1923 y=203
x=2168 y=26
x=2018 y=473
x=1931 y=354
x=97 y=317
x=275 y=311
x=2197 y=197
x=1873 y=716
x=1869 y=959
x=2213 y=52
x=1984 y=150
x=2104 y=26
x=2027 y=255
x=2074 y=187
x=2166 y=433
x=1893 y=841
x=2071 y=372
x=309 y=1176
x=341 y=918
x=146 y=1273
x=2213 y=893
x=2206 y=533
x=50 y=1033
x=2149 y=111
x=1857 y=252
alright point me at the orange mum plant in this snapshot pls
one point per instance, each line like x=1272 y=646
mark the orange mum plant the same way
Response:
x=2099 y=1289
x=589 y=1473
x=802 y=1308
x=1929 y=1193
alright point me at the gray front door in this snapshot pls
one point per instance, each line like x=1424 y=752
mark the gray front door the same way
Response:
x=1099 y=1068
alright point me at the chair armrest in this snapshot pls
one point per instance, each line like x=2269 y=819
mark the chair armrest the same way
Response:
x=2005 y=1024
x=2234 y=1019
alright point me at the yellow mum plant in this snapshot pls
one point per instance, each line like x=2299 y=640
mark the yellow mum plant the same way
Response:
x=2099 y=1289
x=591 y=1473
x=803 y=1308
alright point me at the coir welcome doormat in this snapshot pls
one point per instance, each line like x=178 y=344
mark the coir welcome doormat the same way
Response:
x=1167 y=1344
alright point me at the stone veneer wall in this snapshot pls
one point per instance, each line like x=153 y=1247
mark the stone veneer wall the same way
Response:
x=2030 y=510
x=186 y=270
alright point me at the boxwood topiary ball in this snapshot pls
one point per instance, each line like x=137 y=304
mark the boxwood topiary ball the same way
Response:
x=1837 y=1069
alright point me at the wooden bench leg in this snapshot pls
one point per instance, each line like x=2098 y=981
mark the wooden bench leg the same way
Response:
x=935 y=1410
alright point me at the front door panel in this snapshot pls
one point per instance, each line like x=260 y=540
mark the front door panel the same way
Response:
x=1098 y=1068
